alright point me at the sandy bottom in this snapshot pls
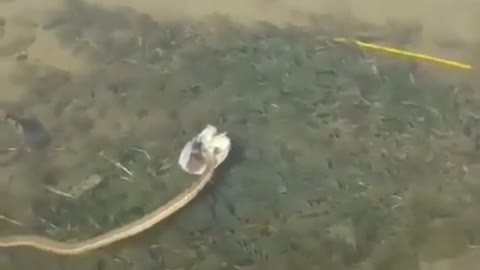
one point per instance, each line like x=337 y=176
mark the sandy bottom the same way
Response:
x=449 y=29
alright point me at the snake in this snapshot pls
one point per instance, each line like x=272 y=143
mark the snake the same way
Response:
x=128 y=230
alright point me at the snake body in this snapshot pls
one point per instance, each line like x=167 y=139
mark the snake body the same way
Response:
x=128 y=230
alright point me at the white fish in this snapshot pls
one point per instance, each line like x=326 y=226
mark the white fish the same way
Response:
x=191 y=160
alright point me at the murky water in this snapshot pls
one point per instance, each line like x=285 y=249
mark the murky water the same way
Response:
x=341 y=159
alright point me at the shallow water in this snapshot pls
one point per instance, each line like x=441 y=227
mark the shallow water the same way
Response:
x=341 y=159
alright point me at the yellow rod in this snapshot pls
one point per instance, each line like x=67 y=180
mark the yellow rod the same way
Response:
x=419 y=56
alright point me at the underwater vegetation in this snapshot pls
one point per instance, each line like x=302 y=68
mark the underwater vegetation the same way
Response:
x=341 y=159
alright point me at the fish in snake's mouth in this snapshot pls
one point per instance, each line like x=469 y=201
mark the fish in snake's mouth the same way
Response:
x=196 y=160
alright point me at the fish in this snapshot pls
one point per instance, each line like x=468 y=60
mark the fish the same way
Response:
x=191 y=160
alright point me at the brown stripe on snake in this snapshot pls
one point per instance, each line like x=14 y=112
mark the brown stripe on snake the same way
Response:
x=128 y=230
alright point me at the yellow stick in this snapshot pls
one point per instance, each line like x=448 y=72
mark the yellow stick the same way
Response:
x=406 y=53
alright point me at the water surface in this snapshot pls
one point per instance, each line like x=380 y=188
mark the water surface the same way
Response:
x=342 y=158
